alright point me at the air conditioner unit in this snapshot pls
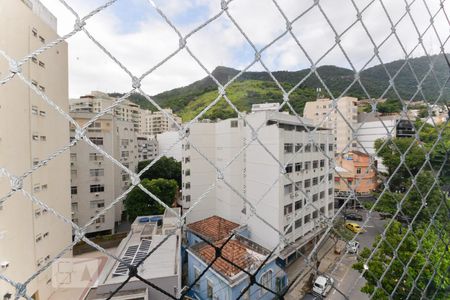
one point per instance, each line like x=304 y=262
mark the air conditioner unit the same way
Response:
x=97 y=194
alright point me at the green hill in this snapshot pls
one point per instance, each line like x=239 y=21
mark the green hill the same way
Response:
x=256 y=87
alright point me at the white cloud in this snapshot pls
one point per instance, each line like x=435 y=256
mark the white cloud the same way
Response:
x=142 y=46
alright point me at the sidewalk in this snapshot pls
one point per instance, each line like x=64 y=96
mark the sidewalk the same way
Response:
x=326 y=257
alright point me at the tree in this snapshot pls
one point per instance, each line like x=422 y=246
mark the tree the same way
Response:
x=138 y=203
x=432 y=257
x=165 y=167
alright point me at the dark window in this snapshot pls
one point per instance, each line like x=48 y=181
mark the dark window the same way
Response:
x=233 y=123
x=298 y=167
x=298 y=223
x=97 y=140
x=307 y=183
x=315 y=164
x=287 y=209
x=95 y=188
x=322 y=194
x=307 y=165
x=74 y=190
x=298 y=147
x=315 y=181
x=288 y=148
x=308 y=148
x=289 y=168
x=322 y=163
x=315 y=214
x=288 y=230
x=298 y=204
x=315 y=197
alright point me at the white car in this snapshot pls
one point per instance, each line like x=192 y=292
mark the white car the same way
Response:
x=322 y=285
x=352 y=247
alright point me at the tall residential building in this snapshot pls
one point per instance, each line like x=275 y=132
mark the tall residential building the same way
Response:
x=153 y=123
x=147 y=148
x=30 y=131
x=318 y=112
x=98 y=101
x=255 y=175
x=96 y=180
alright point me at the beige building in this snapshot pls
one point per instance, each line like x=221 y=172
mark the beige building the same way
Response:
x=153 y=123
x=30 y=130
x=342 y=125
x=95 y=180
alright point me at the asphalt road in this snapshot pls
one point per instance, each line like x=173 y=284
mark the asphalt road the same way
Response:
x=347 y=280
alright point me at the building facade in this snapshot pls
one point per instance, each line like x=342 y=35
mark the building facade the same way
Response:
x=157 y=122
x=31 y=130
x=148 y=148
x=95 y=180
x=168 y=144
x=355 y=172
x=293 y=204
x=341 y=123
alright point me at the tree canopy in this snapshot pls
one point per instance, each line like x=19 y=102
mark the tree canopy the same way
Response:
x=165 y=167
x=138 y=203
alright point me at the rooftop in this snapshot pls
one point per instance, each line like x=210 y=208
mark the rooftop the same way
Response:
x=213 y=228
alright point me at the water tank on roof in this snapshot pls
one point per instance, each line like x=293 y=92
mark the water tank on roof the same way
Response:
x=144 y=220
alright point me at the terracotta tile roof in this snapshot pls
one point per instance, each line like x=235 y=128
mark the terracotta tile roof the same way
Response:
x=213 y=228
x=234 y=251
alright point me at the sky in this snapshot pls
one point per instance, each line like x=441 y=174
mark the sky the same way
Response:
x=140 y=39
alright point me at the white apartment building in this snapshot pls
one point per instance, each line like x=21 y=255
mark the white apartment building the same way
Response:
x=147 y=148
x=95 y=180
x=98 y=101
x=157 y=122
x=30 y=131
x=168 y=144
x=255 y=175
x=318 y=110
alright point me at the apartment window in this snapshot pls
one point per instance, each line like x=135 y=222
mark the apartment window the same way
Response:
x=288 y=148
x=322 y=210
x=330 y=176
x=187 y=198
x=298 y=147
x=322 y=147
x=34 y=82
x=330 y=191
x=187 y=147
x=315 y=197
x=41 y=64
x=298 y=204
x=97 y=141
x=298 y=167
x=233 y=123
x=315 y=181
x=37 y=188
x=97 y=172
x=330 y=147
x=358 y=170
x=74 y=206
x=307 y=165
x=315 y=214
x=125 y=154
x=73 y=157
x=266 y=280
x=187 y=172
x=330 y=206
x=43 y=138
x=96 y=188
x=37 y=213
x=124 y=142
x=100 y=219
x=307 y=183
x=187 y=185
x=125 y=177
x=308 y=148
x=44 y=187
x=298 y=185
x=321 y=179
x=73 y=190
x=298 y=223
x=97 y=204
x=34 y=110
x=322 y=194
x=322 y=163
x=35 y=161
x=315 y=164
x=307 y=218
x=42 y=39
x=288 y=189
x=287 y=209
x=289 y=229
x=35 y=137
x=42 y=113
x=209 y=289
x=34 y=32
x=289 y=168
x=187 y=159
x=95 y=157
x=38 y=238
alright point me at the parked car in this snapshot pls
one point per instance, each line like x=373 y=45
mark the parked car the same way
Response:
x=322 y=285
x=353 y=247
x=353 y=216
x=312 y=296
x=354 y=227
x=403 y=219
x=385 y=216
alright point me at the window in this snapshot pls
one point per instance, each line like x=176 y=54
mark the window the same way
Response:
x=74 y=206
x=197 y=276
x=315 y=181
x=298 y=223
x=315 y=214
x=187 y=159
x=97 y=172
x=288 y=148
x=187 y=172
x=298 y=147
x=41 y=64
x=187 y=198
x=307 y=218
x=95 y=188
x=289 y=168
x=187 y=185
x=315 y=197
x=330 y=191
x=308 y=148
x=124 y=142
x=73 y=157
x=322 y=194
x=97 y=141
x=298 y=167
x=307 y=165
x=322 y=147
x=38 y=238
x=187 y=147
x=322 y=163
x=288 y=189
x=330 y=147
x=330 y=177
x=321 y=179
x=209 y=289
x=266 y=280
x=37 y=188
x=322 y=210
x=42 y=39
x=315 y=164
x=95 y=157
x=34 y=110
x=358 y=170
x=289 y=229
x=100 y=219
x=44 y=187
x=307 y=183
x=298 y=204
x=287 y=209
x=42 y=113
x=233 y=123
x=330 y=206
x=43 y=138
x=73 y=190
x=34 y=32
x=97 y=204
x=298 y=185
x=35 y=137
